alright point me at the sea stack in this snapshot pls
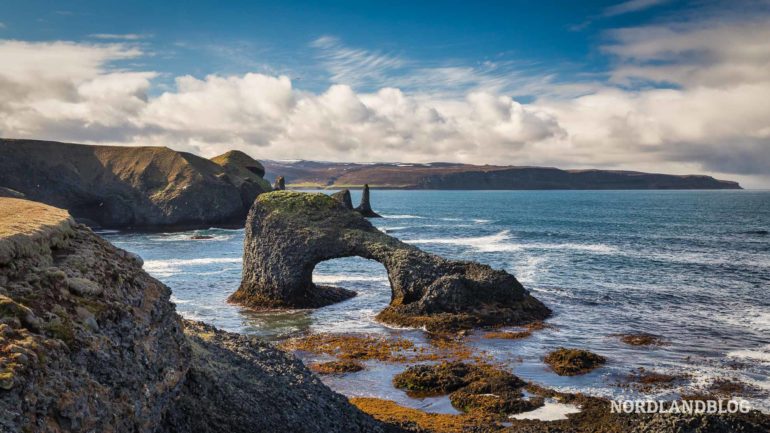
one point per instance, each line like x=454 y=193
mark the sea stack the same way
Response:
x=280 y=184
x=288 y=233
x=344 y=198
x=365 y=208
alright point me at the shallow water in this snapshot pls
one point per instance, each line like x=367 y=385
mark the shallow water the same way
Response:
x=692 y=266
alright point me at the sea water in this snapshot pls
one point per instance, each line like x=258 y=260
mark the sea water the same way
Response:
x=690 y=266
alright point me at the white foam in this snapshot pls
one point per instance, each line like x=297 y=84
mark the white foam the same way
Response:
x=552 y=410
x=336 y=278
x=401 y=217
x=525 y=272
x=500 y=242
x=491 y=243
x=762 y=355
x=166 y=267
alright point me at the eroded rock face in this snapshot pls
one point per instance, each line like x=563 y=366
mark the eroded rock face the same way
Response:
x=343 y=197
x=88 y=341
x=239 y=384
x=289 y=233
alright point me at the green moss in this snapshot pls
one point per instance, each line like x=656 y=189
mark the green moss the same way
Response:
x=63 y=330
x=290 y=201
x=6 y=379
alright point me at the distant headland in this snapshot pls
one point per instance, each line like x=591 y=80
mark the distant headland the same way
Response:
x=441 y=175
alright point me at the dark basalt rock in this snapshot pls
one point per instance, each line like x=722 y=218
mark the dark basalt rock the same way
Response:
x=365 y=208
x=343 y=197
x=289 y=233
x=280 y=184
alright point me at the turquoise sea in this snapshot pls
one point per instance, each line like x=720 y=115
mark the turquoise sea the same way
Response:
x=691 y=266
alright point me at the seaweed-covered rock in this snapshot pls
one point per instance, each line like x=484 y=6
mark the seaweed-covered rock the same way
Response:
x=571 y=362
x=478 y=388
x=365 y=208
x=289 y=233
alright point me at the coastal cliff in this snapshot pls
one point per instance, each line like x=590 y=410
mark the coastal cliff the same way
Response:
x=122 y=187
x=312 y=174
x=90 y=342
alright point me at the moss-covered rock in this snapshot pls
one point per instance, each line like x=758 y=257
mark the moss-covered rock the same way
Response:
x=289 y=233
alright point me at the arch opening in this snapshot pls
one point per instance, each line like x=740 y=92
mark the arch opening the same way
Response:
x=366 y=277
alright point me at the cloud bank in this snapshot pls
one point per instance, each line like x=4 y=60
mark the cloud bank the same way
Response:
x=680 y=98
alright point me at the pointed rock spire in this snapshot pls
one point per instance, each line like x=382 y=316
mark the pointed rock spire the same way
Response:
x=343 y=197
x=280 y=184
x=365 y=208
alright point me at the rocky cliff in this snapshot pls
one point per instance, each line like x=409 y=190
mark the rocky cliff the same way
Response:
x=308 y=174
x=120 y=187
x=90 y=342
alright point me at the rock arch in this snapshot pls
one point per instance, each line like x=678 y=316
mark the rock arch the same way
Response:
x=288 y=233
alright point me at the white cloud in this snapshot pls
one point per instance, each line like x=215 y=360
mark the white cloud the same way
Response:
x=120 y=37
x=631 y=6
x=714 y=119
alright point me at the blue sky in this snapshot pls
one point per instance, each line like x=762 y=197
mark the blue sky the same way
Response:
x=654 y=85
x=203 y=37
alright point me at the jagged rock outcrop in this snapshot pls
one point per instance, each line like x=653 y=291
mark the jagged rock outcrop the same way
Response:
x=289 y=233
x=343 y=197
x=89 y=342
x=246 y=173
x=280 y=183
x=239 y=384
x=365 y=208
x=116 y=186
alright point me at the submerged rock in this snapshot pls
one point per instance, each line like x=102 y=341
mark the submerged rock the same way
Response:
x=289 y=233
x=89 y=342
x=280 y=184
x=365 y=208
x=343 y=197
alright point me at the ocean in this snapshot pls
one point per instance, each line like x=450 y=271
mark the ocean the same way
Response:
x=690 y=266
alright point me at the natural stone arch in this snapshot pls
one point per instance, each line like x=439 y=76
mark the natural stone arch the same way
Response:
x=288 y=233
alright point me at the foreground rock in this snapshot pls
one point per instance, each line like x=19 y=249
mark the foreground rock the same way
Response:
x=238 y=384
x=119 y=187
x=90 y=343
x=289 y=233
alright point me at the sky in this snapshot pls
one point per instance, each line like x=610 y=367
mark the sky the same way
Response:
x=665 y=86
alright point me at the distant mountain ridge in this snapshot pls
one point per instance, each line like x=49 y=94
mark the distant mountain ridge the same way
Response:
x=441 y=175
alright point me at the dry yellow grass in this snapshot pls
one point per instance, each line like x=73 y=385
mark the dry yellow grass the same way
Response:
x=24 y=217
